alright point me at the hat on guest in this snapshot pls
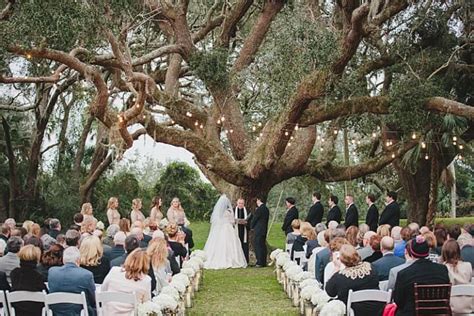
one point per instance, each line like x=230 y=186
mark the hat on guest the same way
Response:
x=418 y=247
x=119 y=238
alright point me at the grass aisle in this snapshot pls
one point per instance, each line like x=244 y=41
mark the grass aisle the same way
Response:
x=248 y=291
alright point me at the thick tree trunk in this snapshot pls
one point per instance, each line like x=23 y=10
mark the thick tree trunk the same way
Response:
x=13 y=180
x=62 y=134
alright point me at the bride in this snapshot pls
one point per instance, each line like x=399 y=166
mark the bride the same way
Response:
x=223 y=248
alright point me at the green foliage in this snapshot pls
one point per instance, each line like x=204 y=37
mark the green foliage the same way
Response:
x=211 y=67
x=182 y=181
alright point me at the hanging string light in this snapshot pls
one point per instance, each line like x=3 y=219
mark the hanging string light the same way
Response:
x=201 y=126
x=427 y=157
x=423 y=145
x=393 y=156
x=259 y=124
x=231 y=131
x=189 y=114
x=286 y=133
x=296 y=127
x=413 y=136
x=374 y=135
x=222 y=118
x=254 y=128
x=455 y=138
x=336 y=131
x=461 y=147
x=196 y=123
x=218 y=121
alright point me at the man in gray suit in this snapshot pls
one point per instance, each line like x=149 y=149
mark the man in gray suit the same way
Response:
x=11 y=261
x=388 y=261
x=392 y=278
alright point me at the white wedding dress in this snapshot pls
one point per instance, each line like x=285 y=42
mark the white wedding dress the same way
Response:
x=223 y=248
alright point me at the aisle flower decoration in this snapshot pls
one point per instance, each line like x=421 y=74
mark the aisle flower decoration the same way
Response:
x=166 y=302
x=200 y=254
x=193 y=263
x=282 y=259
x=178 y=285
x=333 y=308
x=189 y=272
x=149 y=308
x=309 y=282
x=293 y=271
x=171 y=291
x=304 y=275
x=275 y=253
x=308 y=292
x=320 y=299
x=289 y=264
x=181 y=277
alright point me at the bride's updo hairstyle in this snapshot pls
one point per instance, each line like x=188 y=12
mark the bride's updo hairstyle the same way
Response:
x=349 y=256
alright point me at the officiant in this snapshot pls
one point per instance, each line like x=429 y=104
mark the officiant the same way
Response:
x=243 y=226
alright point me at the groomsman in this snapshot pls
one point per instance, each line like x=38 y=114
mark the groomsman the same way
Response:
x=352 y=214
x=315 y=213
x=372 y=217
x=334 y=213
x=259 y=224
x=391 y=212
x=241 y=214
x=291 y=214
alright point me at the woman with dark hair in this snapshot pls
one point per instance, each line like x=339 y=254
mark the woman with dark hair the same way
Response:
x=155 y=213
x=352 y=234
x=51 y=258
x=357 y=275
x=459 y=272
x=441 y=236
x=124 y=225
x=27 y=278
x=375 y=244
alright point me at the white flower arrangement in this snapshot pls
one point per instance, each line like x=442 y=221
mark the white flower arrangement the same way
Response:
x=181 y=277
x=200 y=254
x=198 y=262
x=274 y=254
x=282 y=259
x=308 y=292
x=289 y=264
x=178 y=285
x=333 y=308
x=293 y=272
x=309 y=282
x=171 y=291
x=303 y=276
x=149 y=308
x=163 y=223
x=165 y=301
x=193 y=265
x=190 y=272
x=100 y=225
x=320 y=299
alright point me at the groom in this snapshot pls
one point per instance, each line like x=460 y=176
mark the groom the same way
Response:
x=259 y=224
x=241 y=215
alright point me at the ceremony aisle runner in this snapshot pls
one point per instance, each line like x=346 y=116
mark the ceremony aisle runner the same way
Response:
x=251 y=291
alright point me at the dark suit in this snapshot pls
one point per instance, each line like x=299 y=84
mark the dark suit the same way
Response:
x=352 y=216
x=116 y=251
x=315 y=214
x=291 y=214
x=384 y=264
x=391 y=215
x=322 y=259
x=73 y=279
x=259 y=224
x=422 y=271
x=372 y=217
x=334 y=214
x=243 y=232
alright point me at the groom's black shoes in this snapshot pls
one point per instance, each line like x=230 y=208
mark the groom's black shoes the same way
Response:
x=259 y=266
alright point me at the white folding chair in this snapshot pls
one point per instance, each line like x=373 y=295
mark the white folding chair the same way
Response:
x=383 y=285
x=117 y=297
x=24 y=296
x=3 y=301
x=288 y=247
x=462 y=290
x=66 y=298
x=299 y=257
x=367 y=295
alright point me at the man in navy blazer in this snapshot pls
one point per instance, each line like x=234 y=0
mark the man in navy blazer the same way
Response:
x=352 y=214
x=388 y=261
x=291 y=214
x=72 y=279
x=391 y=212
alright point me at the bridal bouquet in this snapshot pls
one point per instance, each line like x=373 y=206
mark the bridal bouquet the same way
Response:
x=304 y=275
x=333 y=308
x=309 y=282
x=100 y=225
x=320 y=299
x=163 y=223
x=171 y=291
x=308 y=292
x=166 y=302
x=149 y=309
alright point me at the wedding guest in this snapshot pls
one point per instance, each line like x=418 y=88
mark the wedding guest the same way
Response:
x=10 y=261
x=27 y=225
x=320 y=227
x=394 y=271
x=295 y=226
x=132 y=278
x=422 y=271
x=10 y=222
x=388 y=261
x=311 y=238
x=366 y=250
x=51 y=258
x=136 y=214
x=177 y=215
x=352 y=234
x=372 y=217
x=155 y=213
x=72 y=238
x=118 y=248
x=323 y=257
x=374 y=243
x=352 y=214
x=441 y=236
x=5 y=232
x=459 y=272
x=395 y=233
x=316 y=212
x=333 y=266
x=399 y=250
x=110 y=233
x=71 y=278
x=431 y=240
x=454 y=231
x=391 y=212
x=87 y=210
x=138 y=232
x=61 y=239
x=424 y=229
x=113 y=214
x=4 y=285
x=414 y=229
x=363 y=228
x=356 y=276
x=291 y=214
x=27 y=278
x=334 y=213
x=88 y=227
x=383 y=230
x=176 y=240
x=93 y=259
x=159 y=264
x=78 y=219
x=54 y=227
x=300 y=241
x=33 y=240
x=466 y=243
x=131 y=243
x=124 y=225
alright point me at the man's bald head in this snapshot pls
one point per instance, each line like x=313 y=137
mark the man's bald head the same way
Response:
x=387 y=244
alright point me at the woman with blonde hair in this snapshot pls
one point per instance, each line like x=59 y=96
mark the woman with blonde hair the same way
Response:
x=158 y=252
x=131 y=278
x=27 y=278
x=113 y=214
x=27 y=225
x=176 y=214
x=295 y=226
x=93 y=259
x=136 y=214
x=88 y=227
x=383 y=230
x=86 y=210
x=36 y=230
x=155 y=213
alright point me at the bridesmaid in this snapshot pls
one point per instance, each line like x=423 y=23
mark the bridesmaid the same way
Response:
x=136 y=214
x=155 y=213
x=113 y=214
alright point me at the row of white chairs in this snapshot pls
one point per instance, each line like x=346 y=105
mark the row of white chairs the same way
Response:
x=9 y=298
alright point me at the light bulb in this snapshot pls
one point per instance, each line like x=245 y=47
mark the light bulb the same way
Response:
x=455 y=138
x=335 y=132
x=218 y=121
x=461 y=147
x=374 y=135
x=286 y=133
x=413 y=136
x=223 y=118
x=254 y=128
x=393 y=155
x=196 y=123
x=423 y=145
x=427 y=157
x=259 y=124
